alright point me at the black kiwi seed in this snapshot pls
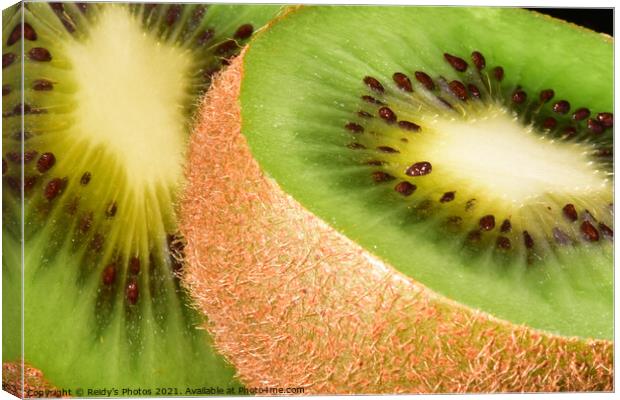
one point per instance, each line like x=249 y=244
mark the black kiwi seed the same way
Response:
x=42 y=85
x=205 y=37
x=425 y=80
x=478 y=60
x=594 y=126
x=85 y=178
x=386 y=114
x=498 y=73
x=589 y=232
x=458 y=89
x=503 y=243
x=132 y=292
x=69 y=26
x=134 y=265
x=26 y=109
x=58 y=7
x=29 y=34
x=86 y=222
x=487 y=222
x=21 y=135
x=408 y=126
x=29 y=155
x=17 y=158
x=353 y=127
x=244 y=32
x=387 y=149
x=570 y=212
x=111 y=210
x=380 y=176
x=549 y=123
x=527 y=239
x=356 y=146
x=419 y=169
x=471 y=203
x=447 y=197
x=45 y=162
x=39 y=54
x=606 y=119
x=561 y=107
x=364 y=114
x=519 y=96
x=15 y=35
x=96 y=244
x=581 y=114
x=226 y=47
x=13 y=184
x=405 y=188
x=108 y=276
x=375 y=163
x=374 y=84
x=6 y=89
x=72 y=206
x=197 y=16
x=473 y=89
x=506 y=226
x=54 y=188
x=198 y=13
x=570 y=132
x=457 y=63
x=29 y=182
x=8 y=59
x=372 y=100
x=402 y=81
x=14 y=157
x=546 y=95
x=173 y=14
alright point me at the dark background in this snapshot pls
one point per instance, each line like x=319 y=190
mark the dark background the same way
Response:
x=597 y=19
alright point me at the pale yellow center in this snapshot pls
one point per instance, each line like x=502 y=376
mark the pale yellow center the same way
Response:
x=506 y=159
x=130 y=95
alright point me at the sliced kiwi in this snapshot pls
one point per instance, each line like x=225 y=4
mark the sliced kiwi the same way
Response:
x=452 y=145
x=93 y=157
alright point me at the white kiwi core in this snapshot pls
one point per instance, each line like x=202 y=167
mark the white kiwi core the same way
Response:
x=130 y=96
x=506 y=159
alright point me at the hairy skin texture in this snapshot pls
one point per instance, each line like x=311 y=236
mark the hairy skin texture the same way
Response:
x=34 y=383
x=293 y=303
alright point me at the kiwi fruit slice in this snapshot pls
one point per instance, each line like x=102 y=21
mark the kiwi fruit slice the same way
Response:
x=409 y=205
x=93 y=157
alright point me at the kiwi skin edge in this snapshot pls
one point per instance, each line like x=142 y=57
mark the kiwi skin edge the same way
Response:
x=292 y=302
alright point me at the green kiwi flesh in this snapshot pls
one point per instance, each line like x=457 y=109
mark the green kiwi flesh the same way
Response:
x=424 y=177
x=93 y=148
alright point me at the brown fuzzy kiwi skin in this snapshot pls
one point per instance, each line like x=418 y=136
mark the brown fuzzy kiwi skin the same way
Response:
x=292 y=303
x=27 y=384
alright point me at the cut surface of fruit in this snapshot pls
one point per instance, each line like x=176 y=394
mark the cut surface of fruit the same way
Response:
x=481 y=170
x=96 y=162
x=318 y=311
